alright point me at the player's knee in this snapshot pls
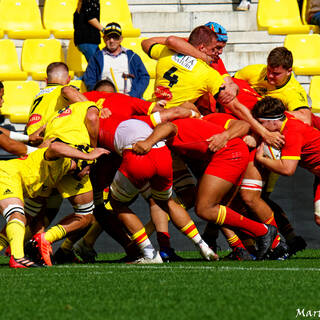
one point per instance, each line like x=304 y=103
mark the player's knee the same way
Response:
x=84 y=212
x=205 y=211
x=250 y=197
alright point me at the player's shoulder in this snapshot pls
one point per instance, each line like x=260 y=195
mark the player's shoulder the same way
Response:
x=253 y=69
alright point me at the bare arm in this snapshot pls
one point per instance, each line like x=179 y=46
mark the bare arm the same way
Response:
x=237 y=128
x=72 y=94
x=95 y=23
x=229 y=92
x=60 y=149
x=177 y=113
x=160 y=132
x=177 y=44
x=275 y=139
x=12 y=146
x=284 y=167
x=92 y=124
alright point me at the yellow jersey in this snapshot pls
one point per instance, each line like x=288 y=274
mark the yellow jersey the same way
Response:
x=291 y=93
x=31 y=176
x=46 y=102
x=68 y=124
x=181 y=78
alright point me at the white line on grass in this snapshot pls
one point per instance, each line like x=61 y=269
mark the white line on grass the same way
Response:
x=191 y=268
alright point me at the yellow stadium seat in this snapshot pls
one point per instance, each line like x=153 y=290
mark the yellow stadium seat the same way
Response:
x=1 y=33
x=9 y=64
x=314 y=93
x=280 y=17
x=21 y=19
x=118 y=11
x=79 y=84
x=304 y=15
x=305 y=49
x=18 y=98
x=135 y=45
x=76 y=61
x=58 y=17
x=37 y=54
x=149 y=91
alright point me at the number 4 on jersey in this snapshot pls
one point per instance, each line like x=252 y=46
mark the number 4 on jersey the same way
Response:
x=173 y=79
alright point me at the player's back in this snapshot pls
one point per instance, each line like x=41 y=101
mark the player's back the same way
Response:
x=119 y=103
x=305 y=139
x=46 y=102
x=68 y=124
x=181 y=78
x=37 y=175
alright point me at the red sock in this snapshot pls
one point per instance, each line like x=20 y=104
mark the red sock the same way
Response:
x=163 y=239
x=272 y=221
x=228 y=217
x=235 y=242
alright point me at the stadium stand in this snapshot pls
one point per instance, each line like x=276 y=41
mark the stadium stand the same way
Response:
x=58 y=17
x=304 y=15
x=76 y=61
x=280 y=17
x=21 y=19
x=314 y=93
x=118 y=11
x=37 y=54
x=9 y=64
x=305 y=50
x=18 y=99
x=135 y=45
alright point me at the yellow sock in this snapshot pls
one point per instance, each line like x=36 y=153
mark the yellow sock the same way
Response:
x=15 y=231
x=92 y=235
x=55 y=233
x=143 y=242
x=191 y=231
x=4 y=241
x=67 y=245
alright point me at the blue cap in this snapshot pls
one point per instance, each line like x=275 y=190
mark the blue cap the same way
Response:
x=219 y=30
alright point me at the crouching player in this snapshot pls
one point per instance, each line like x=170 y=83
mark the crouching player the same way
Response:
x=33 y=176
x=302 y=146
x=226 y=158
x=151 y=175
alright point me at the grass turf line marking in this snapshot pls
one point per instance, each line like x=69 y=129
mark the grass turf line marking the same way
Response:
x=204 y=268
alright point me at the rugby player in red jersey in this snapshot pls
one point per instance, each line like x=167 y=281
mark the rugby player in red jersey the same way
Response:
x=226 y=163
x=302 y=145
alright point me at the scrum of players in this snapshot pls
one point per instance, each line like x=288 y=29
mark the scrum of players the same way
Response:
x=204 y=136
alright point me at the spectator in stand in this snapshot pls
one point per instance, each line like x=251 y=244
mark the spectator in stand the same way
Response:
x=87 y=27
x=244 y=5
x=122 y=65
x=313 y=12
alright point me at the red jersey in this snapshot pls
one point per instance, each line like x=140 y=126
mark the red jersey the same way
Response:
x=121 y=104
x=221 y=119
x=220 y=67
x=192 y=135
x=107 y=129
x=302 y=143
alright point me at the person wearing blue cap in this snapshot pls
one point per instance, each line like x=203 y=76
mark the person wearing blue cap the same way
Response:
x=222 y=38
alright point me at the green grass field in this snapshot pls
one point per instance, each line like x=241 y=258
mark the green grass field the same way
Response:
x=193 y=289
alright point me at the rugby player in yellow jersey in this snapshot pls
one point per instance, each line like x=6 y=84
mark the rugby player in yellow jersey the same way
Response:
x=55 y=96
x=70 y=126
x=184 y=77
x=277 y=80
x=34 y=176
